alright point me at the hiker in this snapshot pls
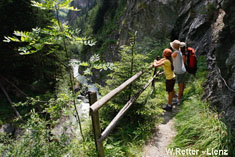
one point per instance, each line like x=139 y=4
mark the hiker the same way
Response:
x=183 y=50
x=179 y=68
x=189 y=58
x=167 y=64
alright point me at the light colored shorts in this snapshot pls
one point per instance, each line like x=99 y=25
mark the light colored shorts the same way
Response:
x=180 y=78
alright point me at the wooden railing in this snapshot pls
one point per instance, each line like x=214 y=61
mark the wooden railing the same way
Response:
x=96 y=105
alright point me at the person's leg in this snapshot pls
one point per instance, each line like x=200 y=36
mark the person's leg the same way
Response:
x=170 y=97
x=173 y=93
x=180 y=81
x=181 y=90
x=170 y=89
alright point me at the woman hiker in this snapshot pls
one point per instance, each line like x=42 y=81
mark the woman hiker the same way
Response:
x=179 y=68
x=167 y=64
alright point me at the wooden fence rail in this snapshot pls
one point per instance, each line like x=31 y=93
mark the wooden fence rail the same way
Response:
x=96 y=105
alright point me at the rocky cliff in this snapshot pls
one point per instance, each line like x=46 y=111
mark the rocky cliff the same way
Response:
x=220 y=85
x=208 y=26
x=150 y=18
x=83 y=5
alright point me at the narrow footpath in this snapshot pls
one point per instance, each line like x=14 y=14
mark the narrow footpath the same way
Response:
x=163 y=136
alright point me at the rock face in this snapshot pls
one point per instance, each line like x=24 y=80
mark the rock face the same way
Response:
x=221 y=62
x=209 y=27
x=82 y=5
x=193 y=24
x=150 y=18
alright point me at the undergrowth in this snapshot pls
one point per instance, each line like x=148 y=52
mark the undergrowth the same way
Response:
x=198 y=125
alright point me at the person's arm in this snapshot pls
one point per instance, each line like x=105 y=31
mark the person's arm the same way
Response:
x=184 y=58
x=158 y=63
x=174 y=54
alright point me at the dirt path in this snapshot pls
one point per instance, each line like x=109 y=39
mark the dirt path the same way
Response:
x=164 y=133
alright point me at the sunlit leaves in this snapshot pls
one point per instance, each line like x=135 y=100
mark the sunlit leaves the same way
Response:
x=54 y=4
x=89 y=42
x=95 y=63
x=85 y=64
x=87 y=71
x=38 y=38
x=94 y=58
x=42 y=5
x=52 y=35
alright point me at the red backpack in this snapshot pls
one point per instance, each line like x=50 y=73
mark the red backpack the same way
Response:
x=191 y=64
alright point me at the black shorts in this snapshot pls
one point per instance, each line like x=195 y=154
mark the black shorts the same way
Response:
x=170 y=85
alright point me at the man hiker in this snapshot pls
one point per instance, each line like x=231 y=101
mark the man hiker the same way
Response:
x=189 y=58
x=166 y=62
x=179 y=68
x=183 y=50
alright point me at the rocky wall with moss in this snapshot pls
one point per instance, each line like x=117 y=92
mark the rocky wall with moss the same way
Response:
x=208 y=26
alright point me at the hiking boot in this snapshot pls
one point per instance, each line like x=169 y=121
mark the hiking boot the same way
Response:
x=175 y=101
x=167 y=107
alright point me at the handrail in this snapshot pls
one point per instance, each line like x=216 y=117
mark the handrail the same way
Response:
x=96 y=105
x=121 y=113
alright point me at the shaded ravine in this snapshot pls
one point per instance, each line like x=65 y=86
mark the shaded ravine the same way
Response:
x=163 y=136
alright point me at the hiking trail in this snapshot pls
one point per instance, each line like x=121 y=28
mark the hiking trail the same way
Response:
x=163 y=136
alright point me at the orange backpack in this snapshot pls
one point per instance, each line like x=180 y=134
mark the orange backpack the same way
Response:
x=191 y=64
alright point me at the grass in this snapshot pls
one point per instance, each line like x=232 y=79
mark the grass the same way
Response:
x=128 y=138
x=198 y=125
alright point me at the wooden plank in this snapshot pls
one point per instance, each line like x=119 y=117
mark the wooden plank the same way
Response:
x=96 y=124
x=114 y=92
x=121 y=113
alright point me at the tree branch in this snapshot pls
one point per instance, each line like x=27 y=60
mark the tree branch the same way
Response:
x=9 y=99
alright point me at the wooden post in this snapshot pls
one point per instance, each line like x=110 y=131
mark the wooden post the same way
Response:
x=154 y=73
x=96 y=124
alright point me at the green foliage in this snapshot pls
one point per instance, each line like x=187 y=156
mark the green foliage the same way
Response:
x=99 y=19
x=202 y=129
x=198 y=125
x=105 y=29
x=152 y=48
x=46 y=111
x=35 y=74
x=38 y=38
x=51 y=5
x=36 y=138
x=85 y=20
x=135 y=127
x=122 y=72
x=15 y=68
x=95 y=63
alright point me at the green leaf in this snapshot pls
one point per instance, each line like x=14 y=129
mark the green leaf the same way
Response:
x=85 y=64
x=94 y=58
x=99 y=66
x=22 y=39
x=7 y=39
x=14 y=39
x=87 y=72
